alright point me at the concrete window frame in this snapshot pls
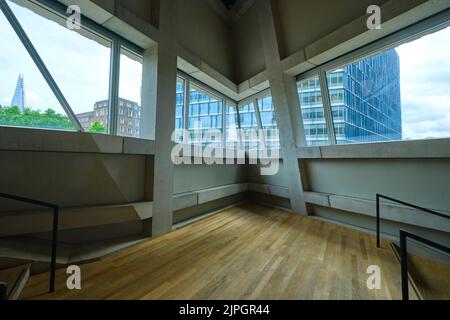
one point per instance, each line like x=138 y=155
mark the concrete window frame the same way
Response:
x=57 y=10
x=422 y=28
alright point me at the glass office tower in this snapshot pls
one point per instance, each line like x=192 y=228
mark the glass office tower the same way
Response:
x=365 y=102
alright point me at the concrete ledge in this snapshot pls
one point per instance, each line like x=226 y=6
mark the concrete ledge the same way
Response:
x=411 y=149
x=253 y=85
x=42 y=140
x=208 y=195
x=41 y=221
x=195 y=198
x=320 y=199
x=35 y=250
x=389 y=211
x=273 y=190
x=185 y=200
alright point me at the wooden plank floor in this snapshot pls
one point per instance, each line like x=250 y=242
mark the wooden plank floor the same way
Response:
x=431 y=278
x=247 y=252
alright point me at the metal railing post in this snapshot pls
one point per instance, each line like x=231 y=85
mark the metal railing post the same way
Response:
x=379 y=196
x=3 y=291
x=54 y=231
x=54 y=249
x=404 y=265
x=378 y=220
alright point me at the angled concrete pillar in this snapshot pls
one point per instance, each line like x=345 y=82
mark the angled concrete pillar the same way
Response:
x=286 y=104
x=166 y=75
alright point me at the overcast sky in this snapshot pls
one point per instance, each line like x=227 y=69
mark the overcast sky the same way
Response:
x=80 y=67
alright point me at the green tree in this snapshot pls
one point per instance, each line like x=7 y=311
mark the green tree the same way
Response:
x=49 y=119
x=97 y=127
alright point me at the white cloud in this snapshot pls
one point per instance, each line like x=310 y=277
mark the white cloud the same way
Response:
x=425 y=85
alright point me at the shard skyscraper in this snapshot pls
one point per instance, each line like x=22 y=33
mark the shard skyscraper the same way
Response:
x=18 y=99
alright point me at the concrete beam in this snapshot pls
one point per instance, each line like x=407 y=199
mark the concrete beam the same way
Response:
x=39 y=140
x=411 y=149
x=286 y=103
x=165 y=114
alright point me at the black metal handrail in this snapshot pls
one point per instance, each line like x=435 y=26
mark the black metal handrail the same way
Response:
x=379 y=196
x=3 y=291
x=404 y=256
x=54 y=231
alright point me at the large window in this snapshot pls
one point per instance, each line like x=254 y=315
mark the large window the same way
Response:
x=249 y=126
x=78 y=61
x=233 y=137
x=179 y=112
x=365 y=99
x=205 y=117
x=268 y=123
x=130 y=92
x=70 y=58
x=400 y=93
x=258 y=123
x=208 y=117
x=25 y=98
x=313 y=113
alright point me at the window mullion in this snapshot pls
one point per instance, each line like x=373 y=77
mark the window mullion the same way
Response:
x=241 y=143
x=224 y=125
x=186 y=103
x=114 y=88
x=327 y=106
x=259 y=120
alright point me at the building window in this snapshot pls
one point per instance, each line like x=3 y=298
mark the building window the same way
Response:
x=397 y=94
x=249 y=126
x=179 y=111
x=232 y=136
x=36 y=103
x=204 y=118
x=268 y=123
x=130 y=87
x=313 y=113
x=84 y=49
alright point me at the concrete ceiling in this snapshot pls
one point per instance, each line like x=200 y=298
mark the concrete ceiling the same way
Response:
x=231 y=10
x=229 y=3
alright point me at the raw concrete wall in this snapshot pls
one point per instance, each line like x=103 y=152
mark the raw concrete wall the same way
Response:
x=302 y=22
x=249 y=57
x=193 y=177
x=425 y=182
x=189 y=178
x=72 y=179
x=200 y=30
x=314 y=32
x=280 y=179
x=203 y=33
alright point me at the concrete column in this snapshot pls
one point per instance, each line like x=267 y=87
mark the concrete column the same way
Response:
x=165 y=118
x=286 y=104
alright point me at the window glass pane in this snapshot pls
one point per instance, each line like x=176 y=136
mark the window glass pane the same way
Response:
x=130 y=87
x=397 y=94
x=25 y=98
x=249 y=126
x=313 y=112
x=78 y=61
x=269 y=123
x=205 y=118
x=233 y=139
x=179 y=110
